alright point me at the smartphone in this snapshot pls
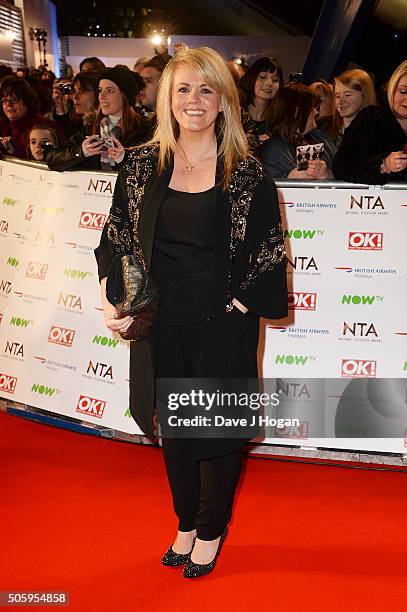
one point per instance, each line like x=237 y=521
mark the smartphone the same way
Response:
x=306 y=152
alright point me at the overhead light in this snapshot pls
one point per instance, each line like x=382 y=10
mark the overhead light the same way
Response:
x=156 y=39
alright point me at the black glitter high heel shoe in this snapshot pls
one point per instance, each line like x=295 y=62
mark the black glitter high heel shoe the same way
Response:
x=173 y=559
x=195 y=570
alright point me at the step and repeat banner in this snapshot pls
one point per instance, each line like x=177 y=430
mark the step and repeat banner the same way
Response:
x=338 y=362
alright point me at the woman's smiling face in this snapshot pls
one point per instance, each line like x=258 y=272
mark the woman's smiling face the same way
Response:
x=195 y=104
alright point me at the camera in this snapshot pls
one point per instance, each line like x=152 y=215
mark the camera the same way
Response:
x=46 y=148
x=295 y=77
x=65 y=88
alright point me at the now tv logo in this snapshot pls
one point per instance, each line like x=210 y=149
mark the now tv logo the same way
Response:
x=36 y=270
x=300 y=300
x=7 y=383
x=92 y=220
x=365 y=241
x=61 y=335
x=358 y=368
x=90 y=406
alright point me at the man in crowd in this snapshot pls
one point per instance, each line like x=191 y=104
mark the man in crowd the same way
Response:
x=151 y=75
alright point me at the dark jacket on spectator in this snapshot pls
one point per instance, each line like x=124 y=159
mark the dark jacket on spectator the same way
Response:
x=70 y=156
x=18 y=130
x=279 y=155
x=371 y=136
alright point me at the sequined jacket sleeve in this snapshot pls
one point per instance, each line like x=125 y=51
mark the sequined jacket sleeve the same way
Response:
x=260 y=267
x=116 y=234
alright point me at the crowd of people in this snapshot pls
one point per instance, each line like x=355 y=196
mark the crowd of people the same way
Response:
x=91 y=119
x=195 y=213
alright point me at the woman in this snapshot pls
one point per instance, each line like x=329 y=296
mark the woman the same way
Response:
x=291 y=123
x=258 y=87
x=373 y=149
x=353 y=91
x=40 y=138
x=117 y=125
x=19 y=114
x=208 y=223
x=76 y=111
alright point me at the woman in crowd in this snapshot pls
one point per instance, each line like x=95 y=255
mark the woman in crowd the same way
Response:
x=353 y=91
x=19 y=114
x=76 y=111
x=291 y=123
x=40 y=138
x=258 y=87
x=201 y=215
x=373 y=149
x=117 y=125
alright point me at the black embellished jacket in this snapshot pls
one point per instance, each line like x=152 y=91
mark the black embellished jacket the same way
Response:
x=249 y=263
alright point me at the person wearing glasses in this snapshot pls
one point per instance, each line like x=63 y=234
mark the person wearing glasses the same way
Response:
x=18 y=115
x=291 y=122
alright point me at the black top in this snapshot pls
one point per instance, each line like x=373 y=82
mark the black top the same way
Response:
x=183 y=255
x=372 y=135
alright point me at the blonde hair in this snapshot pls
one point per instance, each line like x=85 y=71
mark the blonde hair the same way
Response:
x=359 y=80
x=212 y=69
x=394 y=81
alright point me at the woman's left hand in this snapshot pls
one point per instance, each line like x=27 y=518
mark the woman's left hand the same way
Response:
x=117 y=152
x=317 y=169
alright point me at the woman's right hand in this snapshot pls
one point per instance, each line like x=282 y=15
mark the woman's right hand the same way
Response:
x=92 y=145
x=61 y=106
x=395 y=162
x=113 y=322
x=110 y=313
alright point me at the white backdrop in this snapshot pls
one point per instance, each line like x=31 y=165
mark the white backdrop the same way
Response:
x=347 y=316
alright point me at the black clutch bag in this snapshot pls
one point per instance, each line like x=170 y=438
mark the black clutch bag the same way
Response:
x=132 y=291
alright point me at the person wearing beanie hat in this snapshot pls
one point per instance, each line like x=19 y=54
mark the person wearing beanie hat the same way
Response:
x=130 y=83
x=117 y=125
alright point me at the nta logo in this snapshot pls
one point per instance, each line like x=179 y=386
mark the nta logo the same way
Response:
x=8 y=383
x=303 y=263
x=14 y=348
x=91 y=406
x=359 y=329
x=47 y=238
x=70 y=300
x=60 y=335
x=4 y=227
x=5 y=287
x=358 y=368
x=102 y=370
x=37 y=270
x=299 y=300
x=366 y=202
x=91 y=220
x=365 y=241
x=100 y=186
x=29 y=212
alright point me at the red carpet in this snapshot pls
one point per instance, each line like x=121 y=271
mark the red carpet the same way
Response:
x=92 y=517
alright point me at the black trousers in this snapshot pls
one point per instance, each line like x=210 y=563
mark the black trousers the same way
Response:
x=202 y=491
